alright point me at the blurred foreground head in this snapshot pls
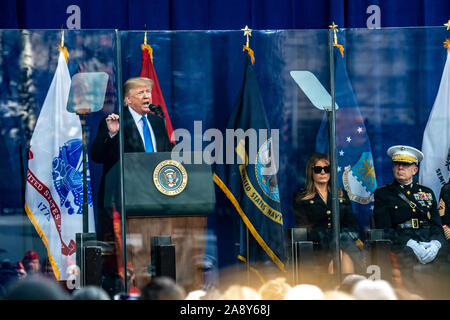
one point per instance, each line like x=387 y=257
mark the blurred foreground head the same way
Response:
x=90 y=293
x=238 y=292
x=33 y=288
x=275 y=289
x=162 y=288
x=305 y=292
x=373 y=290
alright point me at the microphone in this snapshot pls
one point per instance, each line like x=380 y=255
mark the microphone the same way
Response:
x=157 y=110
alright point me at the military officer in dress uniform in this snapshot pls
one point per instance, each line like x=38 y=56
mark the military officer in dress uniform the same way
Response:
x=408 y=213
x=444 y=209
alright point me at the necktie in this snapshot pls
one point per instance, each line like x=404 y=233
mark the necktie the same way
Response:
x=147 y=136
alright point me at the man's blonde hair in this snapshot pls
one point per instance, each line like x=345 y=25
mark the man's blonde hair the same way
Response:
x=134 y=83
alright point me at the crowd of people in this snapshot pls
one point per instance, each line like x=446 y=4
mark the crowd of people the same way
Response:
x=28 y=280
x=353 y=287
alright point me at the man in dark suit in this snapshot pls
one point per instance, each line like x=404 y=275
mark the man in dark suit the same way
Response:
x=144 y=132
x=408 y=214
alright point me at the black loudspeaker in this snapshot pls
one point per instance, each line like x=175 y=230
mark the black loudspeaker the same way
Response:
x=165 y=261
x=93 y=266
x=162 y=257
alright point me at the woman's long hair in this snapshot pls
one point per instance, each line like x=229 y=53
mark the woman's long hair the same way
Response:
x=310 y=188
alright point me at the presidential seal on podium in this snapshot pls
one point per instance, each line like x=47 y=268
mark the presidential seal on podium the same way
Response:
x=170 y=177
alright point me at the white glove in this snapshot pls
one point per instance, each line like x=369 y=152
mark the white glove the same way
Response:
x=418 y=249
x=432 y=249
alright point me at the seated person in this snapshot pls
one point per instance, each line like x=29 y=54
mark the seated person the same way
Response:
x=312 y=208
x=408 y=214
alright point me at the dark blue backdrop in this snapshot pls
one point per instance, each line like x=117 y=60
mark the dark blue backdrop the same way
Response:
x=220 y=14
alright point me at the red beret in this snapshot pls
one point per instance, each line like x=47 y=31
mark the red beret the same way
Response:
x=30 y=255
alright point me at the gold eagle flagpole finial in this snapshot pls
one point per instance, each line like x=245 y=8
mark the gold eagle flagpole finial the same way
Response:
x=248 y=33
x=61 y=46
x=447 y=25
x=62 y=37
x=447 y=44
x=146 y=46
x=334 y=26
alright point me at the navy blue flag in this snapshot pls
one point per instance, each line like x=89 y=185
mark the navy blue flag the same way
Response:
x=356 y=172
x=250 y=181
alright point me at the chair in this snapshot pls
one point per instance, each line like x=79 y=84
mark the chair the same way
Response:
x=300 y=255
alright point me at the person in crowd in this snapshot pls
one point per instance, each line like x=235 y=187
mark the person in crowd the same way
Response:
x=131 y=284
x=20 y=269
x=349 y=282
x=8 y=275
x=195 y=295
x=47 y=270
x=240 y=292
x=162 y=288
x=90 y=293
x=274 y=289
x=373 y=290
x=312 y=208
x=337 y=295
x=31 y=263
x=304 y=292
x=35 y=288
x=407 y=212
x=143 y=132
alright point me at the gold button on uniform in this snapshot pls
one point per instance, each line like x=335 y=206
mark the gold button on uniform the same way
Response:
x=408 y=192
x=328 y=211
x=396 y=207
x=329 y=225
x=413 y=210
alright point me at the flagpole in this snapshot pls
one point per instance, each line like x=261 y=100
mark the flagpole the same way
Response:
x=247 y=34
x=333 y=159
x=121 y=161
x=85 y=202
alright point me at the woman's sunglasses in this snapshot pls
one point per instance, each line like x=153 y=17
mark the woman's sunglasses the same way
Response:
x=318 y=169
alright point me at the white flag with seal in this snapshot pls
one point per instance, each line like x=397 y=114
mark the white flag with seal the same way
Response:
x=54 y=189
x=435 y=166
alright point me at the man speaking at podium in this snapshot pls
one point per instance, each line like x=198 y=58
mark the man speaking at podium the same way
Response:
x=144 y=132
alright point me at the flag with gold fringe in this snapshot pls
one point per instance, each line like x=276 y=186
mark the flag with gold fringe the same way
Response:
x=250 y=183
x=54 y=188
x=435 y=166
x=356 y=171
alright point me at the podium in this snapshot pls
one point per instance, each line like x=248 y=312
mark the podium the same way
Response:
x=164 y=198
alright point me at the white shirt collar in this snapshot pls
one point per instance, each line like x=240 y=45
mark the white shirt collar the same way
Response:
x=136 y=116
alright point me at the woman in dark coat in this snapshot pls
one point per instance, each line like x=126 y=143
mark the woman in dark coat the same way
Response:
x=312 y=208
